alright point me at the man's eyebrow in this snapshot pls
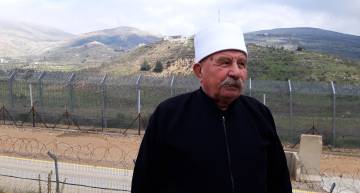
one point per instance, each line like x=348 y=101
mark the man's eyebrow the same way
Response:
x=223 y=58
x=242 y=59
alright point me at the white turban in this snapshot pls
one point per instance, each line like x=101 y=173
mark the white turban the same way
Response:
x=218 y=37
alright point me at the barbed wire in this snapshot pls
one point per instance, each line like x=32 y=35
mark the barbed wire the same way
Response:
x=328 y=180
x=115 y=156
x=108 y=154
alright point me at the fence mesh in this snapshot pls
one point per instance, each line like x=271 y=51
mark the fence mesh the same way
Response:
x=101 y=101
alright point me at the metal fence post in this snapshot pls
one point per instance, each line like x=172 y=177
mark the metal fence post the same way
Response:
x=103 y=104
x=138 y=94
x=71 y=92
x=291 y=111
x=333 y=113
x=264 y=99
x=56 y=171
x=138 y=101
x=10 y=85
x=172 y=85
x=250 y=86
x=32 y=105
x=40 y=89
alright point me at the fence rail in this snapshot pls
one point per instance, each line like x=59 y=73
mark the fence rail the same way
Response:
x=18 y=174
x=30 y=175
x=102 y=101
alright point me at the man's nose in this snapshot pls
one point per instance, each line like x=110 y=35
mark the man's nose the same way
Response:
x=235 y=71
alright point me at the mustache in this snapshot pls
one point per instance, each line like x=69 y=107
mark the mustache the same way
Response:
x=239 y=83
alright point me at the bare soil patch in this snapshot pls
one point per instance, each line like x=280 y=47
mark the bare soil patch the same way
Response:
x=105 y=149
x=117 y=150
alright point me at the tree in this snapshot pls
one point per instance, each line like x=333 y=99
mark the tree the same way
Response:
x=158 y=67
x=168 y=64
x=145 y=66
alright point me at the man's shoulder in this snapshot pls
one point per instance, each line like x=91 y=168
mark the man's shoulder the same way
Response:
x=261 y=113
x=174 y=107
x=251 y=100
x=177 y=101
x=254 y=104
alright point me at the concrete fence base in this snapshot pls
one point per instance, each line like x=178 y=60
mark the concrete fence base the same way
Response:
x=293 y=164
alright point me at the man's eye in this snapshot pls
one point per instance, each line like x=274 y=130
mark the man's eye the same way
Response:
x=225 y=62
x=241 y=64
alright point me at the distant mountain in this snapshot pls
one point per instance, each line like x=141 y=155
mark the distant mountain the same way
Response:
x=77 y=57
x=121 y=38
x=40 y=47
x=266 y=63
x=280 y=54
x=176 y=57
x=23 y=39
x=95 y=48
x=329 y=42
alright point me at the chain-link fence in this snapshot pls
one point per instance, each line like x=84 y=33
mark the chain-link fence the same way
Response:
x=101 y=101
x=312 y=107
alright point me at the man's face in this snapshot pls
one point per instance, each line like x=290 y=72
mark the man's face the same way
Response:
x=222 y=75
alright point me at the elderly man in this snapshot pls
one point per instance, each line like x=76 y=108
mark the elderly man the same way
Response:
x=213 y=139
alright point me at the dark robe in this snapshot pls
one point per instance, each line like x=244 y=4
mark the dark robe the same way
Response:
x=191 y=146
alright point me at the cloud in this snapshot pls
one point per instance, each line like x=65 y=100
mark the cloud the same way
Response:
x=261 y=14
x=184 y=16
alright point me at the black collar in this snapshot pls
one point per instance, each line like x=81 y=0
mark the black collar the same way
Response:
x=211 y=103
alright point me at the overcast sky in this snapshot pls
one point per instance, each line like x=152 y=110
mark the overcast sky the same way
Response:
x=173 y=17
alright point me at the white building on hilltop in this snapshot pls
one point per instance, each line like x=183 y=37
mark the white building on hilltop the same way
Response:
x=3 y=61
x=177 y=38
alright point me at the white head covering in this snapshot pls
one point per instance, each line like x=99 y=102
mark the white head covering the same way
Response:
x=218 y=37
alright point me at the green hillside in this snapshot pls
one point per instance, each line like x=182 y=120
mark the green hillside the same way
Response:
x=280 y=64
x=314 y=39
x=265 y=63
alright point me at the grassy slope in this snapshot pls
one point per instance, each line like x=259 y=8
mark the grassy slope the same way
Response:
x=279 y=64
x=265 y=63
x=164 y=51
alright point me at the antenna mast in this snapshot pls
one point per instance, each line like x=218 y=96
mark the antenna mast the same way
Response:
x=219 y=15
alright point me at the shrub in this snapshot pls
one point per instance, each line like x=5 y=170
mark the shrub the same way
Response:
x=145 y=66
x=158 y=67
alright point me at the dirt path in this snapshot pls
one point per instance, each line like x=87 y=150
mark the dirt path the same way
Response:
x=105 y=149
x=116 y=150
x=340 y=165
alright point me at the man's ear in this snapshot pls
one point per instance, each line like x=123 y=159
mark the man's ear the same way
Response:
x=197 y=70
